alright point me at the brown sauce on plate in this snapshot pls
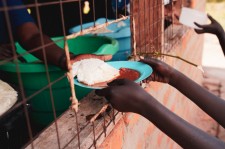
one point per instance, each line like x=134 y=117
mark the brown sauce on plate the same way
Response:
x=130 y=74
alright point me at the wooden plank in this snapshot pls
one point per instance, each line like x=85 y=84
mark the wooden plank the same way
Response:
x=67 y=126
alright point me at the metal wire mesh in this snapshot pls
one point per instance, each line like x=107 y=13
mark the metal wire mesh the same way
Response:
x=148 y=25
x=173 y=29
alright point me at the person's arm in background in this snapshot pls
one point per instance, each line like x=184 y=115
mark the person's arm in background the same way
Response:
x=214 y=28
x=30 y=38
x=211 y=104
x=127 y=96
x=28 y=35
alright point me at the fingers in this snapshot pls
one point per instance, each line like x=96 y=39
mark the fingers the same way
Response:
x=151 y=78
x=5 y=50
x=7 y=55
x=151 y=61
x=201 y=26
x=117 y=82
x=211 y=18
x=113 y=85
x=103 y=92
x=199 y=31
x=198 y=25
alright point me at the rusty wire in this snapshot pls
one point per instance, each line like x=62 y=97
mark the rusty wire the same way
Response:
x=105 y=126
x=47 y=73
x=36 y=5
x=6 y=13
x=148 y=33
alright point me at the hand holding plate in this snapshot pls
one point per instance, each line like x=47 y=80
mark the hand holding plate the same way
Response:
x=124 y=95
x=161 y=71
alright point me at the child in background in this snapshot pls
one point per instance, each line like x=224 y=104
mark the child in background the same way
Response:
x=214 y=28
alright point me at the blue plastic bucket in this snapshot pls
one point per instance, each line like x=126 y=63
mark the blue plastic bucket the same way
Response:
x=119 y=31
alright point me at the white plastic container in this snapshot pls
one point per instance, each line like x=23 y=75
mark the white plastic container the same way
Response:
x=189 y=16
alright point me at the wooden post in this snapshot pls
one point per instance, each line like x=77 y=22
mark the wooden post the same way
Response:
x=146 y=26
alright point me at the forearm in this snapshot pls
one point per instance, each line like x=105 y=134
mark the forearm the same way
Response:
x=52 y=52
x=219 y=32
x=30 y=38
x=208 y=102
x=186 y=135
x=221 y=38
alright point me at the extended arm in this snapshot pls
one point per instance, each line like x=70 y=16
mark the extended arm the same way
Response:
x=127 y=96
x=214 y=28
x=185 y=134
x=30 y=38
x=208 y=102
x=221 y=37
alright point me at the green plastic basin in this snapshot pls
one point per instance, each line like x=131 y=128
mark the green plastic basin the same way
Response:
x=34 y=78
x=98 y=45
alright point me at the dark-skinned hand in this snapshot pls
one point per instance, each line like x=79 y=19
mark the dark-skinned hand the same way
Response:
x=161 y=71
x=125 y=95
x=5 y=52
x=214 y=27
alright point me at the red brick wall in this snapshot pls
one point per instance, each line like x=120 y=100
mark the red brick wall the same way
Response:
x=134 y=131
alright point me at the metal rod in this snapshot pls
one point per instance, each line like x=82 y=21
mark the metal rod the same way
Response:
x=106 y=11
x=145 y=51
x=93 y=129
x=139 y=29
x=9 y=28
x=47 y=72
x=81 y=18
x=104 y=124
x=36 y=5
x=93 y=4
x=78 y=130
x=111 y=121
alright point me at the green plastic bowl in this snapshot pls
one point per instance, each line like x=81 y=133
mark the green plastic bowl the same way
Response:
x=98 y=45
x=34 y=78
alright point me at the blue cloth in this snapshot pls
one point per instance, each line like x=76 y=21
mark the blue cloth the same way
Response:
x=17 y=18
